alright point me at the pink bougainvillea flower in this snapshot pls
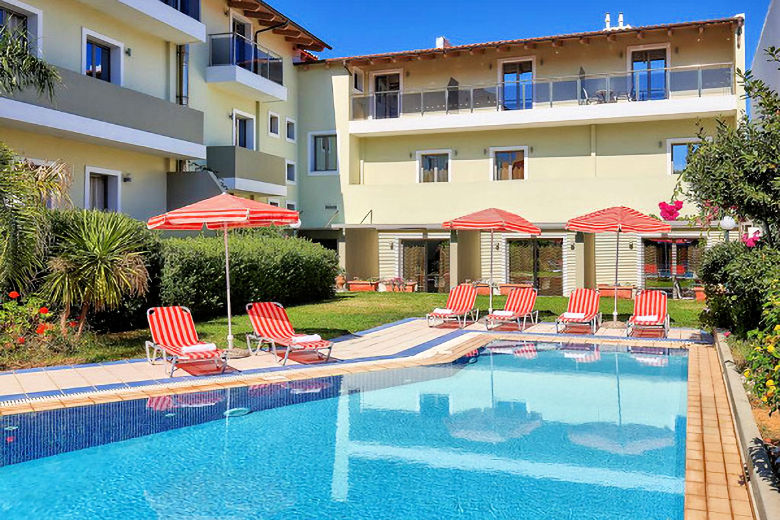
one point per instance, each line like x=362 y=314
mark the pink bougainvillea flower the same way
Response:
x=13 y=295
x=670 y=211
x=751 y=240
x=43 y=310
x=727 y=334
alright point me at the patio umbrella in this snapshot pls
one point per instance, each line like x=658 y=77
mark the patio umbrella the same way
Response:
x=224 y=212
x=494 y=220
x=618 y=219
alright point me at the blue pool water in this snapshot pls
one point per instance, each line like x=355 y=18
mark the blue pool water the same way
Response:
x=531 y=431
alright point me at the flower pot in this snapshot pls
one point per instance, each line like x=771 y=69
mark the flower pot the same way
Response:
x=482 y=289
x=362 y=286
x=506 y=288
x=341 y=281
x=698 y=293
x=624 y=292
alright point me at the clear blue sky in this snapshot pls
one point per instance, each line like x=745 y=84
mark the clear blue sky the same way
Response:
x=367 y=26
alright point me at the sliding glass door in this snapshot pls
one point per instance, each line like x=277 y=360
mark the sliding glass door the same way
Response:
x=387 y=95
x=537 y=262
x=648 y=72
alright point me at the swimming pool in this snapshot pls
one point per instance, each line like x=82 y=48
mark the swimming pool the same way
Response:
x=522 y=430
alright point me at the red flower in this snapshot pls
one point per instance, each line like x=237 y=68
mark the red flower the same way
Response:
x=42 y=328
x=72 y=323
x=20 y=340
x=13 y=295
x=44 y=310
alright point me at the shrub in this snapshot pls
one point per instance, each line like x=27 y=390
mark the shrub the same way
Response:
x=737 y=280
x=763 y=362
x=262 y=268
x=27 y=323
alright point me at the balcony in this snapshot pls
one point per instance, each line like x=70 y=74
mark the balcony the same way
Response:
x=176 y=21
x=248 y=170
x=676 y=92
x=240 y=66
x=88 y=109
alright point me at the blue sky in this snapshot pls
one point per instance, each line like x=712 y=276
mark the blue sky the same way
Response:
x=367 y=26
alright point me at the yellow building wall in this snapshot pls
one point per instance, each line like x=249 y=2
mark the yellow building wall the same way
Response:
x=144 y=196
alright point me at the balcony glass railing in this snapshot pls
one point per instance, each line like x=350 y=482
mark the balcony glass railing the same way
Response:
x=189 y=7
x=234 y=49
x=586 y=89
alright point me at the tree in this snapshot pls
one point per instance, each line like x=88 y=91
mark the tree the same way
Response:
x=97 y=261
x=737 y=170
x=25 y=187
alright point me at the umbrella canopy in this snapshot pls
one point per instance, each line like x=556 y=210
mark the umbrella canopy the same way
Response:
x=224 y=212
x=628 y=439
x=618 y=219
x=492 y=219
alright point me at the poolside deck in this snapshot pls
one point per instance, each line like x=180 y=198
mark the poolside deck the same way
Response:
x=714 y=480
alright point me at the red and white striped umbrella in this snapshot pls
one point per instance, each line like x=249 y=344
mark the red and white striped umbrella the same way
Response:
x=492 y=219
x=224 y=211
x=619 y=219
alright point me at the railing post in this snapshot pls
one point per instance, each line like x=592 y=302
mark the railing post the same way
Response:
x=422 y=103
x=471 y=99
x=446 y=100
x=668 y=83
x=579 y=91
x=551 y=94
x=608 y=91
x=698 y=80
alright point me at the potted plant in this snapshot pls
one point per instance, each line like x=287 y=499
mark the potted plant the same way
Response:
x=362 y=285
x=698 y=293
x=341 y=280
x=506 y=288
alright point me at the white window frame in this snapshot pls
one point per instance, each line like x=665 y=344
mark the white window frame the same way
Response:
x=649 y=47
x=288 y=163
x=373 y=74
x=310 y=140
x=117 y=54
x=287 y=121
x=292 y=203
x=273 y=201
x=250 y=117
x=88 y=171
x=494 y=149
x=278 y=125
x=34 y=29
x=500 y=66
x=418 y=162
x=358 y=73
x=669 y=143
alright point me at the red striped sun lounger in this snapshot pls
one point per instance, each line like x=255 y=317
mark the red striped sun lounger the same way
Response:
x=460 y=306
x=583 y=309
x=519 y=305
x=271 y=326
x=174 y=335
x=650 y=313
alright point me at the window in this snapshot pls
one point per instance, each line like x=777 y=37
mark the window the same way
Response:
x=387 y=95
x=102 y=57
x=509 y=163
x=290 y=130
x=273 y=124
x=290 y=170
x=434 y=166
x=357 y=80
x=273 y=202
x=516 y=78
x=19 y=17
x=102 y=189
x=243 y=130
x=323 y=153
x=648 y=73
x=292 y=206
x=13 y=21
x=678 y=151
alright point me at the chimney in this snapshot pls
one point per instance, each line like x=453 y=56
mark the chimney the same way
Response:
x=442 y=42
x=620 y=20
x=606 y=22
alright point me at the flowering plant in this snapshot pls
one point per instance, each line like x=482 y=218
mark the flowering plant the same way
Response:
x=670 y=211
x=763 y=372
x=751 y=240
x=24 y=322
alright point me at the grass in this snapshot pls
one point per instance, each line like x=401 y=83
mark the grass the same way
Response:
x=346 y=313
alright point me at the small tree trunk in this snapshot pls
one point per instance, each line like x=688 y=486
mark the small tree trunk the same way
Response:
x=82 y=318
x=64 y=319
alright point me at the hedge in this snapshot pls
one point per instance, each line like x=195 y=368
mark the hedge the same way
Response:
x=262 y=268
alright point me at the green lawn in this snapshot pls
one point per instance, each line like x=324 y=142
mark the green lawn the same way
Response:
x=348 y=312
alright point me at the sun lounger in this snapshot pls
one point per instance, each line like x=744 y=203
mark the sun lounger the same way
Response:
x=271 y=326
x=650 y=313
x=583 y=309
x=519 y=306
x=460 y=306
x=174 y=339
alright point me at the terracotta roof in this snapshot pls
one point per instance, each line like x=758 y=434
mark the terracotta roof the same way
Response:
x=500 y=43
x=280 y=24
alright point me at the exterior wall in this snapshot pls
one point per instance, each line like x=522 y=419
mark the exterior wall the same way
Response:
x=362 y=254
x=770 y=35
x=144 y=196
x=469 y=256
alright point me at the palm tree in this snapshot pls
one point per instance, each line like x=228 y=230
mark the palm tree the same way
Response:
x=98 y=261
x=24 y=187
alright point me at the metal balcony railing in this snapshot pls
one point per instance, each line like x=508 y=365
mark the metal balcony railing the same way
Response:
x=189 y=7
x=234 y=49
x=585 y=89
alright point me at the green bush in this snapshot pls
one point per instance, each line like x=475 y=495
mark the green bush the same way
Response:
x=131 y=314
x=737 y=280
x=262 y=268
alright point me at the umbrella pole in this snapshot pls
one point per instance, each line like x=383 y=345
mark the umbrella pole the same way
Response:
x=227 y=281
x=490 y=283
x=617 y=267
